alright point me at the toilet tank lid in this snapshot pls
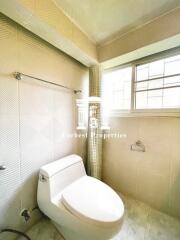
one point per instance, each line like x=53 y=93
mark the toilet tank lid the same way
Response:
x=51 y=169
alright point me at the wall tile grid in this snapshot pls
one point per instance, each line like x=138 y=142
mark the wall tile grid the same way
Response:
x=153 y=176
x=33 y=118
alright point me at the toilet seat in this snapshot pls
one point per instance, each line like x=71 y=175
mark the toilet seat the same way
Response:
x=93 y=201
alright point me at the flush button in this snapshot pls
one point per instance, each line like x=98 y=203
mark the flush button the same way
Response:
x=2 y=167
x=42 y=178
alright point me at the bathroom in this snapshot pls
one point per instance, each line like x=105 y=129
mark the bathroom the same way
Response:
x=101 y=93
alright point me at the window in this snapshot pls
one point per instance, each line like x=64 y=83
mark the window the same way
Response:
x=147 y=86
x=117 y=89
x=157 y=84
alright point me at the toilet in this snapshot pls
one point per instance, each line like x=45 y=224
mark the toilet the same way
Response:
x=81 y=207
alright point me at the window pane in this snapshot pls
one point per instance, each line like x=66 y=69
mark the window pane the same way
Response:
x=155 y=83
x=172 y=67
x=155 y=93
x=141 y=85
x=172 y=59
x=117 y=88
x=162 y=91
x=172 y=81
x=156 y=68
x=142 y=72
x=127 y=89
x=141 y=100
x=127 y=104
x=171 y=98
x=154 y=102
x=116 y=99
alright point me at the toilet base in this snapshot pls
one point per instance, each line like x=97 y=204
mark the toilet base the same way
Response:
x=69 y=234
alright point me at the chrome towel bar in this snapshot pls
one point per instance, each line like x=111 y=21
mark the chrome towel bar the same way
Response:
x=19 y=76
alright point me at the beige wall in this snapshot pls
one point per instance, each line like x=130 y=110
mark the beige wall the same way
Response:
x=48 y=11
x=160 y=28
x=153 y=176
x=46 y=20
x=33 y=117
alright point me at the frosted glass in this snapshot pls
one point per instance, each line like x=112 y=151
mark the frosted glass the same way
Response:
x=155 y=83
x=155 y=93
x=142 y=74
x=141 y=100
x=172 y=81
x=161 y=96
x=171 y=59
x=141 y=85
x=156 y=68
x=172 y=68
x=154 y=102
x=171 y=98
x=117 y=87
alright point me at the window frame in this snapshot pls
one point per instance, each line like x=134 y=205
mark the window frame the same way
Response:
x=132 y=112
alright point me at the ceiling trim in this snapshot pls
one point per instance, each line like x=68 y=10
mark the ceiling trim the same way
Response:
x=14 y=10
x=116 y=36
x=164 y=27
x=75 y=23
x=151 y=49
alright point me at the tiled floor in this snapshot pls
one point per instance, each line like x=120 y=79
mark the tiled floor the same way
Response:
x=141 y=223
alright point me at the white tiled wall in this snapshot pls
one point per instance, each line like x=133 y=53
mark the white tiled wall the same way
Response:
x=33 y=117
x=153 y=176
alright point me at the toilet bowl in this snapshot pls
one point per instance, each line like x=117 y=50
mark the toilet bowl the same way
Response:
x=81 y=207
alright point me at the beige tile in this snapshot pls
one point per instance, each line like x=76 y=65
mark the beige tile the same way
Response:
x=162 y=227
x=35 y=99
x=120 y=170
x=8 y=65
x=175 y=162
x=140 y=223
x=135 y=222
x=10 y=215
x=156 y=162
x=153 y=170
x=155 y=129
x=175 y=196
x=44 y=230
x=153 y=189
x=176 y=129
x=125 y=126
x=175 y=209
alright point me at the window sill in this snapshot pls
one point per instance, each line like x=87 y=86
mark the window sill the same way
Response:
x=146 y=113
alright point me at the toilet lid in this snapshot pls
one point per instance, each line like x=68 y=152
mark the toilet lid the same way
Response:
x=93 y=200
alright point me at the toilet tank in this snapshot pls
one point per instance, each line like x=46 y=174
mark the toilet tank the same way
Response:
x=54 y=177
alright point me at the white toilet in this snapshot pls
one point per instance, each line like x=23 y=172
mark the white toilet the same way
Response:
x=81 y=207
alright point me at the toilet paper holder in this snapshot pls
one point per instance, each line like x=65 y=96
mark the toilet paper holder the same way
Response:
x=138 y=146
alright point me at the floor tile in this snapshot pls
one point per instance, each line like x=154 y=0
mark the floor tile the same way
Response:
x=141 y=222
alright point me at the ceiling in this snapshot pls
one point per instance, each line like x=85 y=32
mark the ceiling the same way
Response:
x=104 y=20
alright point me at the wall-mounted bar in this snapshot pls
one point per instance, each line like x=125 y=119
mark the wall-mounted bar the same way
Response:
x=138 y=146
x=19 y=76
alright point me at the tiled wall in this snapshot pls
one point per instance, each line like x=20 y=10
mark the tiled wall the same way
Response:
x=33 y=117
x=153 y=176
